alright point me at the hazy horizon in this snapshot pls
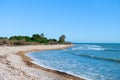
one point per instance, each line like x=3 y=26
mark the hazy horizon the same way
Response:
x=82 y=21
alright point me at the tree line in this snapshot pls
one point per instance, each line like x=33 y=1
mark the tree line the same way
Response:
x=34 y=40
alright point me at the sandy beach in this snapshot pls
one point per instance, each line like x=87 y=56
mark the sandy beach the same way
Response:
x=14 y=65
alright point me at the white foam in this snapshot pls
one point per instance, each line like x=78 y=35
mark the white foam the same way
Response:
x=88 y=47
x=68 y=72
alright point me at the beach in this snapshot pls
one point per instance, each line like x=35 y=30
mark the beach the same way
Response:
x=14 y=65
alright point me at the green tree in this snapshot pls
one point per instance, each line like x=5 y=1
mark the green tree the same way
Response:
x=62 y=39
x=42 y=35
x=39 y=38
x=35 y=38
x=52 y=41
x=27 y=38
x=3 y=38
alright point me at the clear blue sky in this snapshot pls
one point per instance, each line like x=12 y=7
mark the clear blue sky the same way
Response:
x=79 y=20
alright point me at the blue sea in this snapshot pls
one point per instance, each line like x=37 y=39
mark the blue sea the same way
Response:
x=91 y=61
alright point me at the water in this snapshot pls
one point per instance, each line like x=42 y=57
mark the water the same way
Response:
x=89 y=61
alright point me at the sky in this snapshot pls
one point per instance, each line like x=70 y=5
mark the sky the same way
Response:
x=91 y=21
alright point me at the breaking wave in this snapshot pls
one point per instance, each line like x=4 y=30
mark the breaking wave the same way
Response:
x=88 y=47
x=95 y=57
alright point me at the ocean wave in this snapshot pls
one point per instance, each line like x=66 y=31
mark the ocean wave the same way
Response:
x=95 y=57
x=88 y=47
x=112 y=50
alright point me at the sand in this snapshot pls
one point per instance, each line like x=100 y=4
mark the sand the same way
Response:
x=14 y=65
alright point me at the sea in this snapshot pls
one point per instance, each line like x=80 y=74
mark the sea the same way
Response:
x=91 y=61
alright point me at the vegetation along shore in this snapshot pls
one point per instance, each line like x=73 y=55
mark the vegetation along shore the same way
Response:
x=36 y=39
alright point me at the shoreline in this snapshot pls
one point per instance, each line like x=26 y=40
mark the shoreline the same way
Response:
x=15 y=57
x=28 y=61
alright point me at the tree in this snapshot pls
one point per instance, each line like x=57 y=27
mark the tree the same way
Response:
x=35 y=38
x=39 y=38
x=62 y=39
x=20 y=38
x=42 y=35
x=3 y=38
x=27 y=38
x=52 y=41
